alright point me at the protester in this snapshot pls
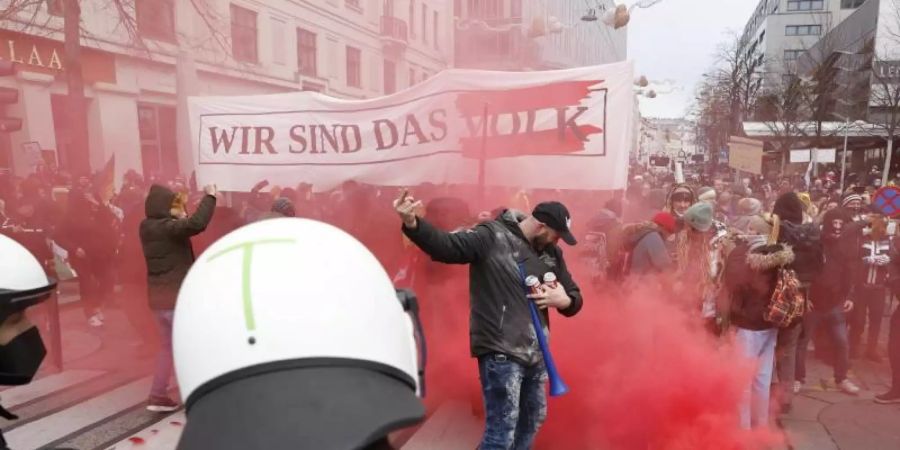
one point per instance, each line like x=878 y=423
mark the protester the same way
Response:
x=512 y=373
x=870 y=286
x=644 y=249
x=893 y=394
x=750 y=277
x=165 y=238
x=747 y=208
x=701 y=248
x=829 y=297
x=680 y=198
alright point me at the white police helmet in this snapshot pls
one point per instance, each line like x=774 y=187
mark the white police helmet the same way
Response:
x=23 y=283
x=289 y=334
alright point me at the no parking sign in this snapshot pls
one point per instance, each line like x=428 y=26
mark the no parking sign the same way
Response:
x=887 y=200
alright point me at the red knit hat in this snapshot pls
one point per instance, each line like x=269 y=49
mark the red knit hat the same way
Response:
x=666 y=221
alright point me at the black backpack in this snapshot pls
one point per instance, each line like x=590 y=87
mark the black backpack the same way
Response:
x=809 y=258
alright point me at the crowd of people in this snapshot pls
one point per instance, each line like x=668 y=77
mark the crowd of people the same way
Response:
x=776 y=263
x=744 y=252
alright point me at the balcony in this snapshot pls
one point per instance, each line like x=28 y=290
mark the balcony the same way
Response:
x=394 y=32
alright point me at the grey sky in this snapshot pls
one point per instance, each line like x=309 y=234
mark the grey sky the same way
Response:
x=677 y=40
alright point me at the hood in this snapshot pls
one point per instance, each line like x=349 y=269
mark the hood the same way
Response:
x=159 y=202
x=676 y=188
x=789 y=208
x=770 y=257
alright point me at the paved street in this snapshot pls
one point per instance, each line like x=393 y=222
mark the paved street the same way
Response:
x=97 y=402
x=823 y=418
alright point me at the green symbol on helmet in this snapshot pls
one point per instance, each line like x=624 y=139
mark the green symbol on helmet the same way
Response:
x=247 y=247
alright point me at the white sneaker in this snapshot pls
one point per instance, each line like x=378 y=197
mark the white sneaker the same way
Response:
x=95 y=321
x=798 y=386
x=848 y=387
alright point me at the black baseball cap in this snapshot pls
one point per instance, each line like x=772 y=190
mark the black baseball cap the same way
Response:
x=556 y=216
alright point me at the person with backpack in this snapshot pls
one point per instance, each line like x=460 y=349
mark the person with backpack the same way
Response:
x=829 y=297
x=751 y=276
x=870 y=286
x=644 y=248
x=807 y=264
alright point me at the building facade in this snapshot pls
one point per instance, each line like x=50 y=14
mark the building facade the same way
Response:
x=140 y=65
x=780 y=31
x=533 y=35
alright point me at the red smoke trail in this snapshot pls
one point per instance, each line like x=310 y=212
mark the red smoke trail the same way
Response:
x=642 y=371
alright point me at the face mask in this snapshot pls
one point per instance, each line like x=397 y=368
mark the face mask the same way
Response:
x=21 y=357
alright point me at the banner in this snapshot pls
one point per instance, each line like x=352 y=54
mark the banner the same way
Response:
x=745 y=155
x=566 y=129
x=823 y=155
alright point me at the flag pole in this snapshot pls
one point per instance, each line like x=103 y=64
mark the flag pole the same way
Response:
x=482 y=156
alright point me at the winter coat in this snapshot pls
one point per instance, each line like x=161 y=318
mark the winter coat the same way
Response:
x=833 y=284
x=750 y=277
x=500 y=319
x=872 y=262
x=166 y=242
x=644 y=250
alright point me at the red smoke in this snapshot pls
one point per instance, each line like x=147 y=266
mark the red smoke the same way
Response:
x=642 y=371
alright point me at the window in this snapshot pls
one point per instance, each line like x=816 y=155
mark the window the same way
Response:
x=434 y=30
x=803 y=30
x=485 y=9
x=424 y=23
x=156 y=129
x=515 y=9
x=390 y=77
x=791 y=55
x=412 y=77
x=389 y=8
x=306 y=52
x=354 y=67
x=412 y=19
x=55 y=7
x=806 y=5
x=850 y=4
x=155 y=19
x=243 y=34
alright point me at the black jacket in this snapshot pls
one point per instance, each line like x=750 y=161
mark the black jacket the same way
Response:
x=750 y=276
x=166 y=242
x=500 y=320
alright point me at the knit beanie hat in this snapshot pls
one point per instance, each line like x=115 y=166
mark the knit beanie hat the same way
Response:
x=850 y=197
x=699 y=216
x=706 y=194
x=666 y=221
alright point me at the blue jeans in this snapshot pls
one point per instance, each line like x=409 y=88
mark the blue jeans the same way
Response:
x=760 y=347
x=836 y=322
x=515 y=402
x=164 y=364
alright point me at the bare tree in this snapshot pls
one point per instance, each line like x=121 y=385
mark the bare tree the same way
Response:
x=884 y=101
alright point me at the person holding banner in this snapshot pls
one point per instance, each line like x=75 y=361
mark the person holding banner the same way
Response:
x=511 y=365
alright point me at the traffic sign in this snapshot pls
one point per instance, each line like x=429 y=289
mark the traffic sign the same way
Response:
x=887 y=200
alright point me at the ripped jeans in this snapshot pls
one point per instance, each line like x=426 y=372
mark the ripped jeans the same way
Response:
x=515 y=402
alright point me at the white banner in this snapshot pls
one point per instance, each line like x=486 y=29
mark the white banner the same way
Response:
x=566 y=129
x=823 y=155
